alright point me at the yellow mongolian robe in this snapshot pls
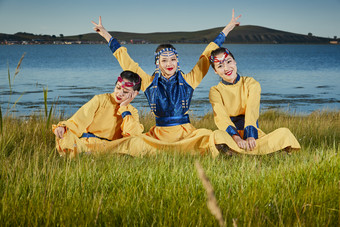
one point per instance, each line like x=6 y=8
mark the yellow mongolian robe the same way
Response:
x=183 y=137
x=109 y=124
x=243 y=99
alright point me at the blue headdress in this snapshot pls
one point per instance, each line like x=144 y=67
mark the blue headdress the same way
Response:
x=159 y=53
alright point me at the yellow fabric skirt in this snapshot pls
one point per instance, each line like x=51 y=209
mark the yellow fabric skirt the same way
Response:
x=279 y=139
x=183 y=138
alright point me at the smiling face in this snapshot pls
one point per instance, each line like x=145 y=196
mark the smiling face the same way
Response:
x=168 y=63
x=121 y=92
x=225 y=67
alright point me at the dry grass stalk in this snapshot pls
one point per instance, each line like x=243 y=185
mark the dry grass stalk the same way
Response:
x=98 y=210
x=234 y=222
x=18 y=66
x=211 y=200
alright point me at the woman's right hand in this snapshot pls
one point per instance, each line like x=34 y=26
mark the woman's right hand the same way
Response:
x=101 y=30
x=59 y=132
x=240 y=142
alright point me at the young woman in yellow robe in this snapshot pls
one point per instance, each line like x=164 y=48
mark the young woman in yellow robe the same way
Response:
x=103 y=123
x=236 y=105
x=169 y=92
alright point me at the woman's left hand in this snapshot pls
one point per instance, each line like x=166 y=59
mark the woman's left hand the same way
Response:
x=99 y=28
x=232 y=24
x=251 y=142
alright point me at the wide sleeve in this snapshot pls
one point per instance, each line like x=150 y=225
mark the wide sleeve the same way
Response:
x=127 y=63
x=80 y=121
x=130 y=125
x=221 y=115
x=252 y=109
x=196 y=75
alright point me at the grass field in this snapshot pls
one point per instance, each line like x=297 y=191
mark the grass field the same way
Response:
x=37 y=187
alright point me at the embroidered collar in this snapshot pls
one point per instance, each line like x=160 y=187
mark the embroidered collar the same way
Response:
x=236 y=80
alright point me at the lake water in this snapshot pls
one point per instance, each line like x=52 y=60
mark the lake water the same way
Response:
x=297 y=78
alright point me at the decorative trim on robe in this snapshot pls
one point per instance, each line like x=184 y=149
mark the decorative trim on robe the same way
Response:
x=231 y=130
x=114 y=44
x=236 y=80
x=219 y=40
x=126 y=113
x=250 y=131
x=89 y=134
x=172 y=121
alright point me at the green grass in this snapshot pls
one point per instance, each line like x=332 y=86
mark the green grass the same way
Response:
x=37 y=187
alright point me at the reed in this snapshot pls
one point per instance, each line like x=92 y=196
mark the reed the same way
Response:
x=10 y=84
x=48 y=114
x=1 y=123
x=37 y=187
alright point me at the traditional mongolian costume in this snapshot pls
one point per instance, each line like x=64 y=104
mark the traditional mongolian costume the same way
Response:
x=100 y=125
x=236 y=109
x=169 y=100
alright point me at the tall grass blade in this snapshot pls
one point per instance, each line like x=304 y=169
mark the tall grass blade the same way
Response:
x=15 y=103
x=17 y=70
x=49 y=117
x=48 y=114
x=1 y=123
x=45 y=100
x=9 y=79
x=7 y=143
x=55 y=107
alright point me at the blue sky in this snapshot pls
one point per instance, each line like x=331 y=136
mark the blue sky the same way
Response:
x=72 y=17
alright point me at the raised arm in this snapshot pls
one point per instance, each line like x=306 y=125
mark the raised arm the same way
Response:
x=219 y=40
x=195 y=76
x=120 y=53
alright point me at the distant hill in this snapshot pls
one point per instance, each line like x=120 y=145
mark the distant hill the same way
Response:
x=241 y=34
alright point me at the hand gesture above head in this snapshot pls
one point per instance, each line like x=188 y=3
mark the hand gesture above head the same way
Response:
x=99 y=28
x=232 y=24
